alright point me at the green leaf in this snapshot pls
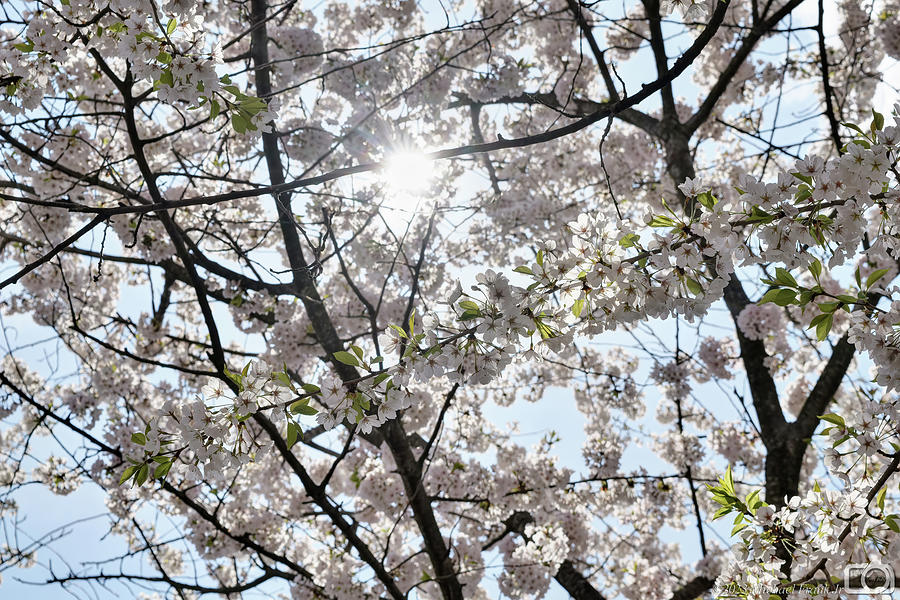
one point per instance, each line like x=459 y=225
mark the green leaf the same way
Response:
x=310 y=388
x=399 y=331
x=379 y=378
x=829 y=307
x=753 y=501
x=25 y=47
x=721 y=512
x=738 y=528
x=578 y=307
x=693 y=286
x=142 y=474
x=661 y=221
x=523 y=269
x=815 y=267
x=214 y=109
x=284 y=378
x=891 y=522
x=170 y=26
x=840 y=441
x=781 y=297
x=468 y=305
x=729 y=481
x=721 y=499
x=546 y=332
x=816 y=320
x=875 y=276
x=167 y=78
x=162 y=470
x=758 y=215
x=239 y=122
x=854 y=127
x=824 y=327
x=879 y=498
x=253 y=105
x=804 y=178
x=707 y=200
x=357 y=351
x=235 y=377
x=293 y=434
x=784 y=277
x=164 y=57
x=835 y=419
x=139 y=438
x=806 y=297
x=877 y=121
x=127 y=474
x=302 y=407
x=630 y=240
x=346 y=358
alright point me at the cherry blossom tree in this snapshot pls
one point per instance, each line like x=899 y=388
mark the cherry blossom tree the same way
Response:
x=286 y=271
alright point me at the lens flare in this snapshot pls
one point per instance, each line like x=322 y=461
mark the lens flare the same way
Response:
x=408 y=177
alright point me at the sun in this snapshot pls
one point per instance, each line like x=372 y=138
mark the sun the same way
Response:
x=408 y=177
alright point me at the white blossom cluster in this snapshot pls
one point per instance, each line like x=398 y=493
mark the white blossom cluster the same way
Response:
x=889 y=28
x=827 y=526
x=210 y=430
x=175 y=60
x=595 y=275
x=540 y=557
x=58 y=478
x=716 y=357
x=606 y=277
x=691 y=10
